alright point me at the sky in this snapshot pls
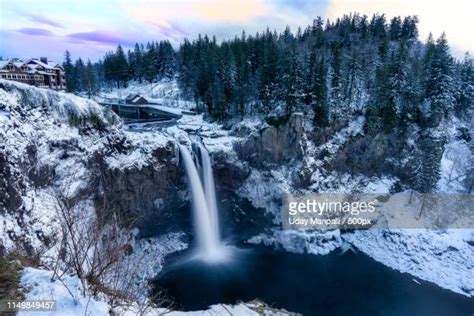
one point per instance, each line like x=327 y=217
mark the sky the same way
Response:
x=89 y=28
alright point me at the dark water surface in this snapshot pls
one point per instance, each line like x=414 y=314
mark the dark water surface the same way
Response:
x=348 y=284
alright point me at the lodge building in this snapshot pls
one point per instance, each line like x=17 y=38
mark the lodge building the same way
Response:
x=37 y=72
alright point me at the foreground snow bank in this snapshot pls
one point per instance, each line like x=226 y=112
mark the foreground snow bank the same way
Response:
x=68 y=295
x=254 y=308
x=445 y=258
x=70 y=300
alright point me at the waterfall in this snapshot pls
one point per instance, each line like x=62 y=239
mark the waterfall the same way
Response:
x=209 y=188
x=204 y=204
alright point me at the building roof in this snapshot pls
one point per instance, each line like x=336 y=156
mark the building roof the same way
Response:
x=3 y=63
x=131 y=96
x=49 y=65
x=53 y=64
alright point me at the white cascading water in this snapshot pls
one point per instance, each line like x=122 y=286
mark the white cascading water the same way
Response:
x=209 y=188
x=204 y=206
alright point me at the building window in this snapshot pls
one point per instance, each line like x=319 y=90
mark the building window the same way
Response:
x=3 y=76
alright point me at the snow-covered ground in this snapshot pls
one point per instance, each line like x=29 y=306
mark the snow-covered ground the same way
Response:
x=70 y=301
x=68 y=294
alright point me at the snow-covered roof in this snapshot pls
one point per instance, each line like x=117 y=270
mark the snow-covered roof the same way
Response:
x=37 y=62
x=132 y=96
x=3 y=63
x=53 y=64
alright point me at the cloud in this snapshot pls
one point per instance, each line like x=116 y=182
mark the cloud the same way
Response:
x=102 y=37
x=43 y=20
x=303 y=6
x=160 y=12
x=172 y=30
x=35 y=31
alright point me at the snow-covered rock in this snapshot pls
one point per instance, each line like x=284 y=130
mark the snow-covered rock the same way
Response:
x=297 y=241
x=445 y=258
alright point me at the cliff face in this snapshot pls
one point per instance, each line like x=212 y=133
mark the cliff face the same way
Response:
x=55 y=144
x=270 y=144
x=151 y=194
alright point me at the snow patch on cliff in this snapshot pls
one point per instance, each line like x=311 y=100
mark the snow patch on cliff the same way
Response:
x=142 y=146
x=264 y=189
x=454 y=166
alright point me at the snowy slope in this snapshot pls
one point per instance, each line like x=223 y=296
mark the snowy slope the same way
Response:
x=445 y=258
x=35 y=132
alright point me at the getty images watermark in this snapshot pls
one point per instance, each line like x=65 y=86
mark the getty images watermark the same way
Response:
x=363 y=211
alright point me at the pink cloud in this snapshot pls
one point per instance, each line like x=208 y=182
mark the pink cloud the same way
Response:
x=35 y=31
x=43 y=20
x=102 y=37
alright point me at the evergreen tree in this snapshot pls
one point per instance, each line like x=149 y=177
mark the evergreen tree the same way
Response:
x=121 y=67
x=149 y=69
x=138 y=63
x=80 y=74
x=91 y=79
x=439 y=83
x=318 y=92
x=71 y=78
x=395 y=28
x=465 y=97
x=409 y=28
x=427 y=171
